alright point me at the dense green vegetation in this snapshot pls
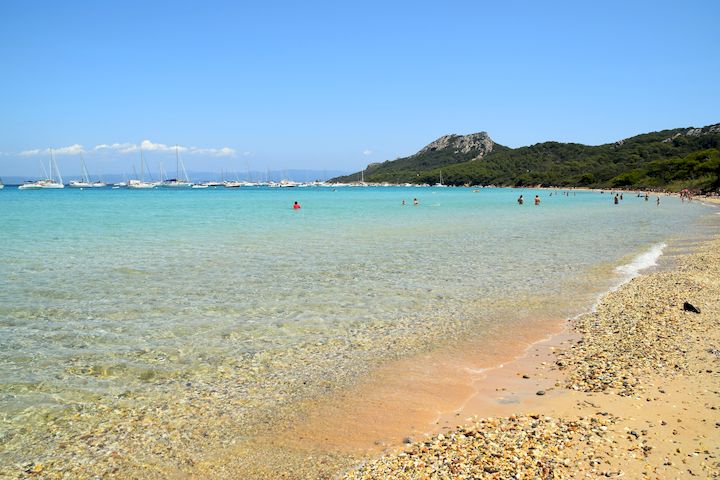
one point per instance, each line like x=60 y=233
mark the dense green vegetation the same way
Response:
x=670 y=159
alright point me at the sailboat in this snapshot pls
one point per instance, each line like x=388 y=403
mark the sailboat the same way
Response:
x=85 y=182
x=49 y=181
x=440 y=184
x=140 y=184
x=231 y=183
x=176 y=182
x=2 y=185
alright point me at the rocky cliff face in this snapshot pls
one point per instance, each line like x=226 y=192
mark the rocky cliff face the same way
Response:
x=475 y=142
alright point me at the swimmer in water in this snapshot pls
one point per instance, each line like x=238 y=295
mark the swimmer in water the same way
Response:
x=537 y=200
x=415 y=201
x=296 y=206
x=520 y=200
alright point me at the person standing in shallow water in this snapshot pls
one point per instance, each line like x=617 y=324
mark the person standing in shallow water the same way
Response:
x=415 y=201
x=537 y=200
x=616 y=199
x=520 y=200
x=296 y=206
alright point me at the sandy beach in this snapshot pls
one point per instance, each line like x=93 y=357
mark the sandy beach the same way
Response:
x=633 y=389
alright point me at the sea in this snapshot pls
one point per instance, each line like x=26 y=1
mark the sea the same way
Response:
x=136 y=320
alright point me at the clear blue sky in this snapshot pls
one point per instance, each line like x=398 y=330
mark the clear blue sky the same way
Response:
x=335 y=85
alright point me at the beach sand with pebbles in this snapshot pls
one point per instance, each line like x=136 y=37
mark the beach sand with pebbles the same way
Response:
x=631 y=389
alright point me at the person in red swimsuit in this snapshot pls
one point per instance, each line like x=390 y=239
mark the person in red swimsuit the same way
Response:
x=296 y=205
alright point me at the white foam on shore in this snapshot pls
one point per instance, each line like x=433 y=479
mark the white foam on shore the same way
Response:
x=642 y=261
x=628 y=272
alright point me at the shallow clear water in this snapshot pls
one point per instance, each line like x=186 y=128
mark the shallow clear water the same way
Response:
x=117 y=294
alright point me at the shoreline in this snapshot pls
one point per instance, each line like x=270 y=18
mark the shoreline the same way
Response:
x=634 y=416
x=344 y=427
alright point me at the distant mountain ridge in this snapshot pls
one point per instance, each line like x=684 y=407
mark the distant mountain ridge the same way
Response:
x=676 y=158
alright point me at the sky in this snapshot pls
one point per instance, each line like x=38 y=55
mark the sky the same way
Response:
x=337 y=85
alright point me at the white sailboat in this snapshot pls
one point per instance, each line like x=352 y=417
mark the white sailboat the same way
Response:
x=440 y=184
x=49 y=181
x=85 y=182
x=140 y=184
x=2 y=185
x=177 y=182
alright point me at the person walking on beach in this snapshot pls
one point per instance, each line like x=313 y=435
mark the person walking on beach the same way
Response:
x=520 y=200
x=537 y=200
x=616 y=199
x=296 y=206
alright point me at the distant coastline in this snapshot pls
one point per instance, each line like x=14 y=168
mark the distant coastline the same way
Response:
x=672 y=160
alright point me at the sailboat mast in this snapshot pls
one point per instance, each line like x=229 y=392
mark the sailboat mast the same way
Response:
x=142 y=166
x=60 y=179
x=84 y=168
x=177 y=163
x=45 y=173
x=185 y=175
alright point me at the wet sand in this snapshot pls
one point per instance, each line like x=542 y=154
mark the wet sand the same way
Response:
x=403 y=401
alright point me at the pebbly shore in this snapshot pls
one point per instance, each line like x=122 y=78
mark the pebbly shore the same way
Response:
x=637 y=394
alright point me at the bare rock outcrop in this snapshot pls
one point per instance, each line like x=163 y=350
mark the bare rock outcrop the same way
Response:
x=480 y=142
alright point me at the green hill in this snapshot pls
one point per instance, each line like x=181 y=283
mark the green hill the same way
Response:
x=669 y=159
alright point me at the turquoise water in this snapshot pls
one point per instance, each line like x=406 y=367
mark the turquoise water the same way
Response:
x=115 y=299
